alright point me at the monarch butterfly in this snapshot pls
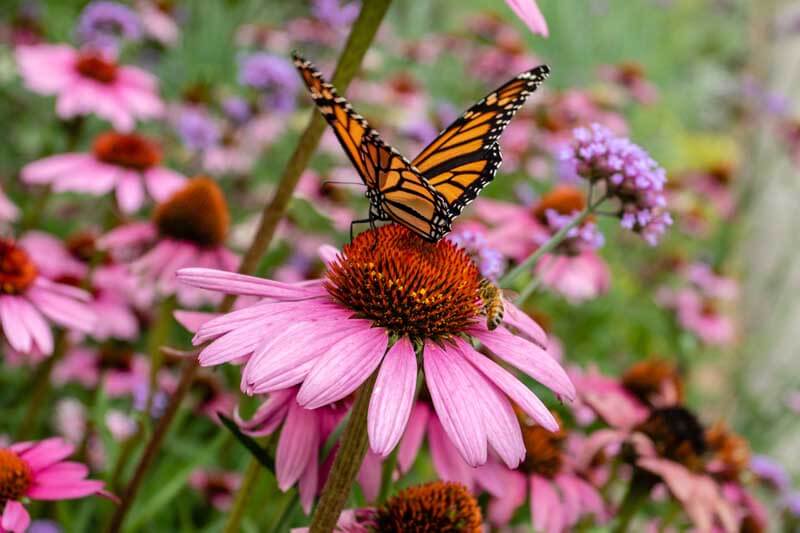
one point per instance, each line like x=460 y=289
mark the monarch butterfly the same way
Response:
x=428 y=193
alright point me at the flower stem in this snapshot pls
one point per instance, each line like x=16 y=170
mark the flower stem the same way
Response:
x=364 y=29
x=158 y=336
x=190 y=367
x=387 y=475
x=361 y=36
x=346 y=463
x=242 y=496
x=40 y=388
x=547 y=247
x=637 y=493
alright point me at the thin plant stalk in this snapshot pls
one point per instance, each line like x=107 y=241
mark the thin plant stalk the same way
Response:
x=346 y=464
x=547 y=247
x=359 y=40
x=40 y=389
x=233 y=524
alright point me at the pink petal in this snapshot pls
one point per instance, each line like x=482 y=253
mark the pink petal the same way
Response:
x=447 y=460
x=161 y=182
x=15 y=518
x=519 y=319
x=59 y=473
x=240 y=284
x=192 y=320
x=453 y=398
x=15 y=329
x=298 y=444
x=130 y=192
x=63 y=310
x=45 y=170
x=46 y=452
x=529 y=13
x=65 y=491
x=527 y=357
x=546 y=512
x=309 y=483
x=38 y=328
x=369 y=476
x=412 y=438
x=269 y=415
x=279 y=362
x=571 y=497
x=511 y=386
x=390 y=405
x=511 y=495
x=343 y=368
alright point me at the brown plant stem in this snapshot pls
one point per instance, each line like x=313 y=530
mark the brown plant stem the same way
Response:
x=236 y=513
x=40 y=388
x=361 y=36
x=346 y=464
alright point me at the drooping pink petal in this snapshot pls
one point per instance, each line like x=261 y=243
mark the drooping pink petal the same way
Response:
x=390 y=404
x=308 y=484
x=298 y=443
x=369 y=476
x=571 y=498
x=453 y=399
x=529 y=13
x=37 y=327
x=63 y=310
x=45 y=170
x=511 y=386
x=527 y=357
x=130 y=192
x=517 y=318
x=161 y=182
x=269 y=414
x=242 y=285
x=546 y=512
x=15 y=517
x=509 y=489
x=62 y=472
x=279 y=362
x=14 y=328
x=447 y=459
x=413 y=436
x=343 y=368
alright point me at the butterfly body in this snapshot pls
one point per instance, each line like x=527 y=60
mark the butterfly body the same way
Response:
x=428 y=193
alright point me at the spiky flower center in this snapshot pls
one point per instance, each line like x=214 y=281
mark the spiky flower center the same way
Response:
x=196 y=213
x=564 y=200
x=439 y=506
x=407 y=285
x=729 y=449
x=15 y=476
x=677 y=435
x=544 y=450
x=94 y=66
x=649 y=379
x=17 y=270
x=127 y=150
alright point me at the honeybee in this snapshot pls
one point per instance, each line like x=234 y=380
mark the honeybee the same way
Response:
x=492 y=298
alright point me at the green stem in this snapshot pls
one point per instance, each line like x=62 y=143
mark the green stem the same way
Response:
x=159 y=334
x=125 y=451
x=233 y=525
x=387 y=476
x=282 y=524
x=638 y=491
x=547 y=247
x=346 y=464
x=40 y=389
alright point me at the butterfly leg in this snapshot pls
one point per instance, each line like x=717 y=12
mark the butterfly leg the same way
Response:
x=360 y=221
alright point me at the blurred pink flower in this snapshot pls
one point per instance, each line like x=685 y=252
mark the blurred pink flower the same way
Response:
x=127 y=163
x=703 y=306
x=114 y=291
x=118 y=369
x=157 y=23
x=216 y=486
x=86 y=82
x=529 y=13
x=26 y=298
x=558 y=494
x=188 y=229
x=630 y=76
x=37 y=470
x=343 y=351
x=8 y=211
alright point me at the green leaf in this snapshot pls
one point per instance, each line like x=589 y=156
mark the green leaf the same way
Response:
x=249 y=442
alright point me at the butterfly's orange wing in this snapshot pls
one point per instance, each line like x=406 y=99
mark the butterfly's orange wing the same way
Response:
x=396 y=189
x=465 y=157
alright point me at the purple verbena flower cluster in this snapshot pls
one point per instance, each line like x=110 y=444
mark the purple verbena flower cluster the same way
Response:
x=272 y=76
x=489 y=260
x=629 y=174
x=197 y=129
x=104 y=25
x=334 y=13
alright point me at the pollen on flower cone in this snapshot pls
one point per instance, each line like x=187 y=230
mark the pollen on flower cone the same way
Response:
x=197 y=213
x=17 y=271
x=15 y=476
x=433 y=507
x=405 y=284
